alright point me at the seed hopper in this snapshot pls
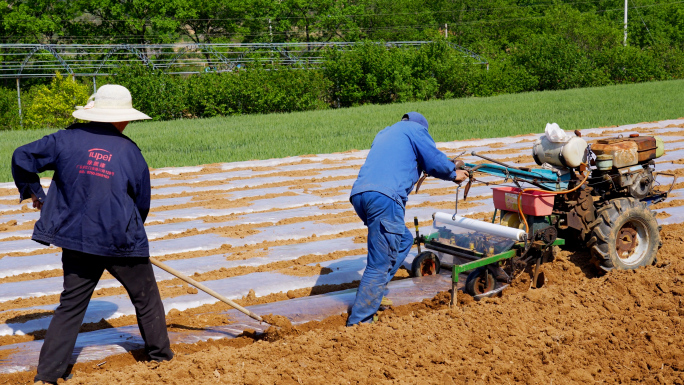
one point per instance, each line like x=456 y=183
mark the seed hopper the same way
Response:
x=597 y=195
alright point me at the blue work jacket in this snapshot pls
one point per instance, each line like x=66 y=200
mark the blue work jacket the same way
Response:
x=100 y=192
x=398 y=155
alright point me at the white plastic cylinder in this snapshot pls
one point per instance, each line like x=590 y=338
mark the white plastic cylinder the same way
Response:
x=563 y=154
x=485 y=227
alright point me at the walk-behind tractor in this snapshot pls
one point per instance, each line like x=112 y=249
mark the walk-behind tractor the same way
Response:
x=595 y=195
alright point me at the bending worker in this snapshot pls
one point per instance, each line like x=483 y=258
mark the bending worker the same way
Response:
x=94 y=210
x=397 y=157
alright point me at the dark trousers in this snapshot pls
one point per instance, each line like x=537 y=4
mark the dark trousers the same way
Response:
x=81 y=273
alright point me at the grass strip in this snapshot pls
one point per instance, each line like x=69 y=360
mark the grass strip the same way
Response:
x=246 y=137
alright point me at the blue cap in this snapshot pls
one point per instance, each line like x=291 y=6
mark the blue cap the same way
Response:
x=416 y=118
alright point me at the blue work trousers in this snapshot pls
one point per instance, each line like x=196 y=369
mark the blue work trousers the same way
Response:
x=389 y=242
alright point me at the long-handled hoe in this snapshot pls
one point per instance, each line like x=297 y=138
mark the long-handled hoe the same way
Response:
x=205 y=289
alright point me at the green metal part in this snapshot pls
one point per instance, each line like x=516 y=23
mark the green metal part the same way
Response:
x=458 y=269
x=432 y=236
x=432 y=239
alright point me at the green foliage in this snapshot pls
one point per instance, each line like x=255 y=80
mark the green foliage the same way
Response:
x=51 y=106
x=556 y=62
x=253 y=91
x=9 y=109
x=591 y=25
x=631 y=65
x=502 y=78
x=371 y=73
x=541 y=45
x=306 y=20
x=208 y=21
x=36 y=21
x=138 y=21
x=256 y=91
x=160 y=96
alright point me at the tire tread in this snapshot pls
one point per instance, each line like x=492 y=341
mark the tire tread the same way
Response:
x=602 y=239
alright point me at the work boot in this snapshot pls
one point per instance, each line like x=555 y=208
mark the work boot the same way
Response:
x=386 y=302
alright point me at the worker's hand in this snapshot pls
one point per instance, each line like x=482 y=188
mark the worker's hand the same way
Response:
x=461 y=175
x=36 y=203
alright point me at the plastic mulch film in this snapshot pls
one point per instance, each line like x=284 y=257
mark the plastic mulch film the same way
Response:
x=155 y=203
x=19 y=233
x=229 y=185
x=20 y=218
x=20 y=246
x=10 y=266
x=176 y=170
x=344 y=270
x=275 y=233
x=258 y=205
x=98 y=345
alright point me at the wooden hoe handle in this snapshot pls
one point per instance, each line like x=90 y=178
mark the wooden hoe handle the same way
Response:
x=205 y=289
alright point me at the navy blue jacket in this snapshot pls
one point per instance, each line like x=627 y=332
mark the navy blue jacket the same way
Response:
x=100 y=192
x=398 y=155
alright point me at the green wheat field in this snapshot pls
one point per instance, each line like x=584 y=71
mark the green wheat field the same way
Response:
x=246 y=137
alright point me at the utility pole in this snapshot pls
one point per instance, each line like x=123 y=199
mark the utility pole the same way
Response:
x=625 y=40
x=270 y=29
x=21 y=119
x=270 y=34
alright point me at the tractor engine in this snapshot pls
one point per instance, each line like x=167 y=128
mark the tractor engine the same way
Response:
x=624 y=166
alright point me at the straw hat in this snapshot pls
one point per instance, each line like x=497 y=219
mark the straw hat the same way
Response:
x=111 y=103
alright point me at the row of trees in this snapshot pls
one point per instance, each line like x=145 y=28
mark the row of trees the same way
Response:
x=476 y=24
x=530 y=46
x=369 y=73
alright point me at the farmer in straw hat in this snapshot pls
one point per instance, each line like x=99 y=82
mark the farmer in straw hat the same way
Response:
x=94 y=210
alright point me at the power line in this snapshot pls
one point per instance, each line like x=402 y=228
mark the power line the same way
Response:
x=647 y=29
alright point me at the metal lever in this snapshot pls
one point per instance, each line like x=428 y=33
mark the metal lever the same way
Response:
x=458 y=156
x=494 y=160
x=420 y=181
x=453 y=218
x=467 y=187
x=415 y=222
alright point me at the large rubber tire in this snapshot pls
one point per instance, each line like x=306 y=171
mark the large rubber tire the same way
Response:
x=425 y=263
x=480 y=281
x=625 y=235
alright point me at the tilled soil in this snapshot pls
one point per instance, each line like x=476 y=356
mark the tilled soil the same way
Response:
x=580 y=327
